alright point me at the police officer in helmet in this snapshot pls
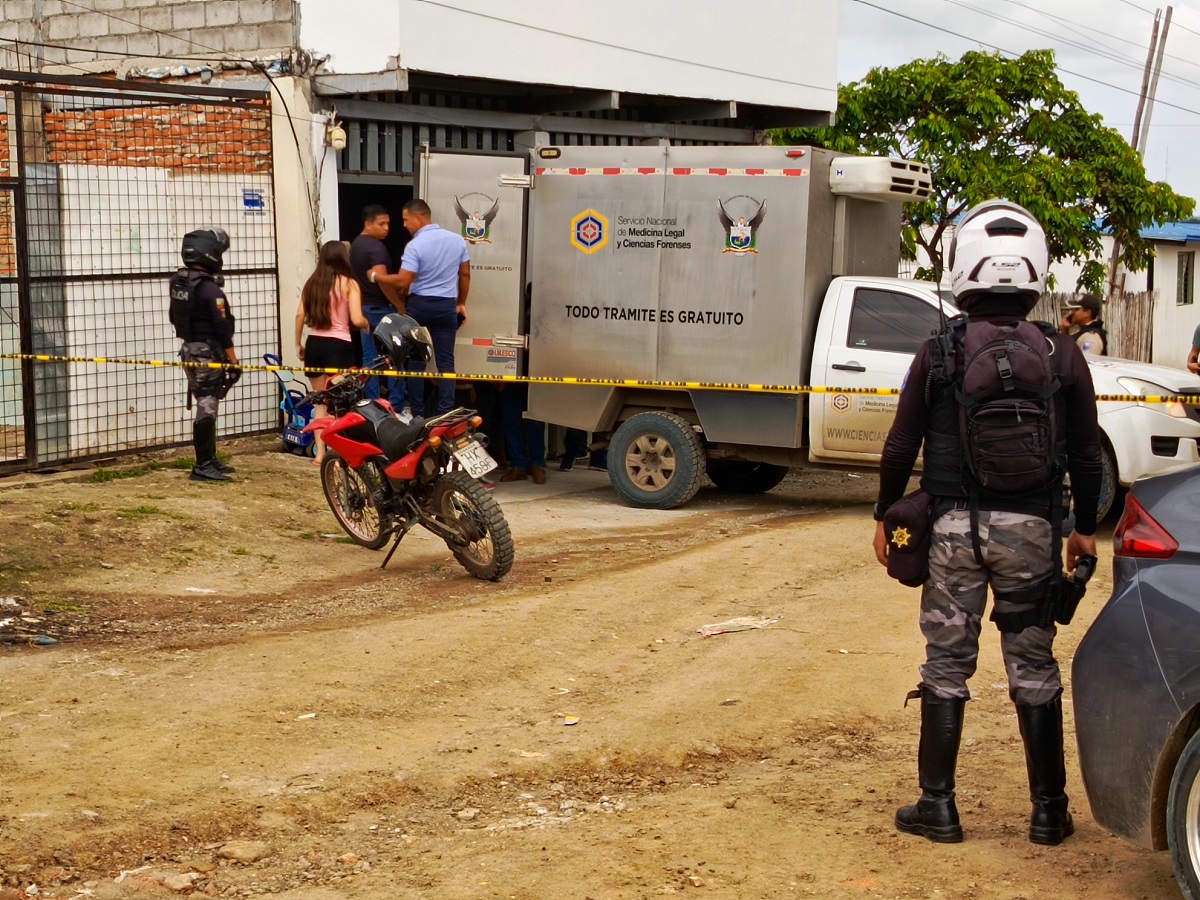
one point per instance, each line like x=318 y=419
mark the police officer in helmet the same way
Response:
x=204 y=323
x=998 y=263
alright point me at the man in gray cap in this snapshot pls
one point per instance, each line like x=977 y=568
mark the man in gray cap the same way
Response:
x=1082 y=322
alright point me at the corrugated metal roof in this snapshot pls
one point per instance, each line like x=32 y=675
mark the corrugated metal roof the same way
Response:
x=1178 y=232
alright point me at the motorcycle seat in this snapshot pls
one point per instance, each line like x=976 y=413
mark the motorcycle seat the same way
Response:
x=394 y=436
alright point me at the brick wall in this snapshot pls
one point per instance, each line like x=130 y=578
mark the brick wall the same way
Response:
x=211 y=138
x=183 y=138
x=125 y=29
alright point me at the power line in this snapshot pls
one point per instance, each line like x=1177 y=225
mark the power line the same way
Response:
x=1125 y=61
x=1148 y=12
x=1112 y=55
x=1015 y=54
x=1098 y=31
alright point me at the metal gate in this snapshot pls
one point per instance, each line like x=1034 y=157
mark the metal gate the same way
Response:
x=98 y=185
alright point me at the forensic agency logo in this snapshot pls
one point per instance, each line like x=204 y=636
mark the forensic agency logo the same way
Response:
x=741 y=234
x=840 y=403
x=589 y=232
x=476 y=226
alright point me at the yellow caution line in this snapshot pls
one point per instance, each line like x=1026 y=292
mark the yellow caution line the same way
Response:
x=1186 y=399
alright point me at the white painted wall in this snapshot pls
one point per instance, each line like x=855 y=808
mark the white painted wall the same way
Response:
x=773 y=52
x=1174 y=325
x=302 y=201
x=10 y=370
x=115 y=406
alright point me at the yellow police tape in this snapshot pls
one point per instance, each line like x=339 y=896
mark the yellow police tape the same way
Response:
x=1184 y=399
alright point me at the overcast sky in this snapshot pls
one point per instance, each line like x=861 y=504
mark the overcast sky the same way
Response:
x=1102 y=40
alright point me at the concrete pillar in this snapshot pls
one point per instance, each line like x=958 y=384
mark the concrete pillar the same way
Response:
x=297 y=208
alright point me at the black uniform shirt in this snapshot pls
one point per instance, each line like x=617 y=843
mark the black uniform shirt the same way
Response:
x=212 y=319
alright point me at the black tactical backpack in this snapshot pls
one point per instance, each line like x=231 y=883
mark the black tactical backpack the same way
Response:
x=1006 y=385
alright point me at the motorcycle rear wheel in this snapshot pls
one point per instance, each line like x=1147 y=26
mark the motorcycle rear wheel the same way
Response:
x=462 y=503
x=349 y=496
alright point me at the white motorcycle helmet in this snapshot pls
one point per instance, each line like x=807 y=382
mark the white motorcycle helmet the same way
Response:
x=998 y=248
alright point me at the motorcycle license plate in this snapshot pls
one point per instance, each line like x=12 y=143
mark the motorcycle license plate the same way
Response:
x=474 y=459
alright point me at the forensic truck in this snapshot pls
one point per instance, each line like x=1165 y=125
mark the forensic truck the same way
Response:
x=679 y=281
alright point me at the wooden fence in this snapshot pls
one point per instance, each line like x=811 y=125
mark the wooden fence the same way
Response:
x=1129 y=319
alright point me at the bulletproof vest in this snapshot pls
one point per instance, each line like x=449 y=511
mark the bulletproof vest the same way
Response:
x=996 y=427
x=1094 y=327
x=185 y=312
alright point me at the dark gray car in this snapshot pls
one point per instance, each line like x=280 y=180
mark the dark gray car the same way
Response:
x=1136 y=678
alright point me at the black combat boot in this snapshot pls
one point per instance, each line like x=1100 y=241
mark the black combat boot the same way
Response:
x=204 y=439
x=935 y=816
x=1042 y=731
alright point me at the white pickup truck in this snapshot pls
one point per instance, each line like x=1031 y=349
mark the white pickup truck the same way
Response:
x=865 y=341
x=723 y=265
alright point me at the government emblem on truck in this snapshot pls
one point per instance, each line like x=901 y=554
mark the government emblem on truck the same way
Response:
x=742 y=235
x=476 y=226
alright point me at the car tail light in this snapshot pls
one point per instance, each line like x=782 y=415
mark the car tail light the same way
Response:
x=1138 y=535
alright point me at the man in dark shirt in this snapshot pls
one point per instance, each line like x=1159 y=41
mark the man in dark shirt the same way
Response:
x=369 y=255
x=998 y=264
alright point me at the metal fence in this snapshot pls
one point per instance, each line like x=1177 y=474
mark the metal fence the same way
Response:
x=383 y=136
x=98 y=184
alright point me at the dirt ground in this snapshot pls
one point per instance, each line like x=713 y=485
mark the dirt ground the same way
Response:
x=205 y=691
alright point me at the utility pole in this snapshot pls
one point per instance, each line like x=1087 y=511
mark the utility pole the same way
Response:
x=1137 y=118
x=1158 y=63
x=1141 y=119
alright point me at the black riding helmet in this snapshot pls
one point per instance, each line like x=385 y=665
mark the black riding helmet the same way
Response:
x=401 y=339
x=205 y=247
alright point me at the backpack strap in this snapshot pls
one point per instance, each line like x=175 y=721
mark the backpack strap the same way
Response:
x=943 y=348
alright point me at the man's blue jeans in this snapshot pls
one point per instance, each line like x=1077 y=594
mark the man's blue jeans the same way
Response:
x=440 y=316
x=394 y=386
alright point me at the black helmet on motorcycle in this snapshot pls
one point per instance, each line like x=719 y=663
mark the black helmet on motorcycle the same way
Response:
x=401 y=339
x=204 y=248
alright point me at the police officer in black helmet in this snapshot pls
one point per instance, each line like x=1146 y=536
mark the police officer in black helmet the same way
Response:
x=204 y=322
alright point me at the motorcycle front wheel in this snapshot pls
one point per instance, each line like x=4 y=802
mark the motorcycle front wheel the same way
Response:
x=485 y=547
x=350 y=497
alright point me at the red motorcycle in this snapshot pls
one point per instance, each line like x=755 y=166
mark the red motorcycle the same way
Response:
x=382 y=476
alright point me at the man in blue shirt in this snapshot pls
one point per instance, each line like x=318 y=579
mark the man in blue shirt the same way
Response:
x=1193 y=363
x=433 y=281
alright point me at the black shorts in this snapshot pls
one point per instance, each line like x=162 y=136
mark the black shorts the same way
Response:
x=330 y=353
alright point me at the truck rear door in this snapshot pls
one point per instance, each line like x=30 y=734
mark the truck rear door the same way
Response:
x=868 y=333
x=462 y=189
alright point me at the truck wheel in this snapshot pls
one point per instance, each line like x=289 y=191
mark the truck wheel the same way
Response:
x=1183 y=820
x=655 y=461
x=740 y=477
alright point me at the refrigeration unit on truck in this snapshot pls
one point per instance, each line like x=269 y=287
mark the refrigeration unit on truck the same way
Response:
x=724 y=265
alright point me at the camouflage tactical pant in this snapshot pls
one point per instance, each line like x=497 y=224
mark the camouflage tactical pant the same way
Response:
x=205 y=384
x=1016 y=554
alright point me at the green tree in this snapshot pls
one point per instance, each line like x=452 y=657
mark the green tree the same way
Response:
x=991 y=126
